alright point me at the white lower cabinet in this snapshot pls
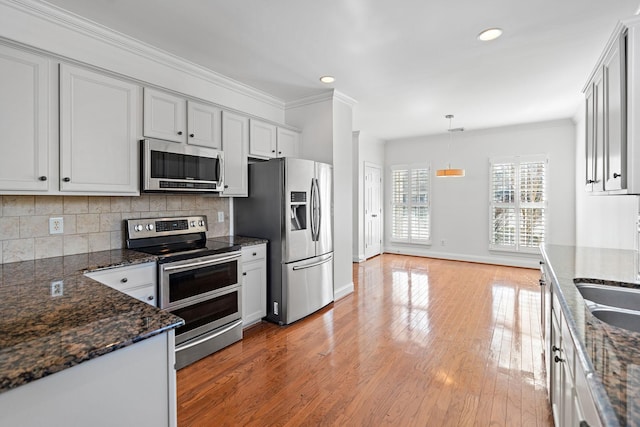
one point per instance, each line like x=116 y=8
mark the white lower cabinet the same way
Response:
x=254 y=284
x=138 y=281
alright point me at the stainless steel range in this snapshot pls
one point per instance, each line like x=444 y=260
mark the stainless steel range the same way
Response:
x=198 y=280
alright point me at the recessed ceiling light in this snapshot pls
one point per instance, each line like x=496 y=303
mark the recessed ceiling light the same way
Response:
x=327 y=79
x=490 y=34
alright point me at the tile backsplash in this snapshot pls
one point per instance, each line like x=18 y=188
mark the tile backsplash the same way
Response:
x=91 y=223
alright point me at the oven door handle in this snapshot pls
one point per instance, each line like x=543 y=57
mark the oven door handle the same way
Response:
x=202 y=263
x=210 y=336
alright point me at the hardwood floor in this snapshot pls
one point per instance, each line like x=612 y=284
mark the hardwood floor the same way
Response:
x=420 y=342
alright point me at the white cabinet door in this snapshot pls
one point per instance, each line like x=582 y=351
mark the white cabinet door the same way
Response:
x=99 y=121
x=615 y=115
x=235 y=143
x=262 y=139
x=254 y=284
x=165 y=116
x=288 y=142
x=138 y=281
x=204 y=125
x=24 y=120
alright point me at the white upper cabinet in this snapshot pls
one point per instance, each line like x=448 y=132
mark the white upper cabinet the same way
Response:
x=262 y=139
x=267 y=141
x=204 y=123
x=288 y=142
x=235 y=143
x=24 y=121
x=99 y=128
x=173 y=118
x=165 y=116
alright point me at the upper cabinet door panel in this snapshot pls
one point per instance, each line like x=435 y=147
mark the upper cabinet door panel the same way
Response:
x=99 y=125
x=615 y=113
x=164 y=116
x=262 y=139
x=235 y=143
x=24 y=121
x=204 y=125
x=288 y=142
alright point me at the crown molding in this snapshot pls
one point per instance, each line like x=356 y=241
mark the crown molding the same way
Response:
x=329 y=95
x=86 y=27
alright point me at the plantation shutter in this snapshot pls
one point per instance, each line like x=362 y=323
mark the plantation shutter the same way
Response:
x=411 y=217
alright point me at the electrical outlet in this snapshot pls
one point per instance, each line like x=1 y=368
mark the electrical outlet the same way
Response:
x=275 y=308
x=56 y=225
x=220 y=216
x=57 y=288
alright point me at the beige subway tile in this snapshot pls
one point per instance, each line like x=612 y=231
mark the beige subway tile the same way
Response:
x=47 y=247
x=110 y=222
x=99 y=242
x=18 y=205
x=120 y=204
x=174 y=202
x=69 y=224
x=157 y=202
x=49 y=205
x=76 y=204
x=188 y=203
x=117 y=240
x=34 y=226
x=204 y=202
x=220 y=203
x=9 y=227
x=99 y=204
x=75 y=244
x=17 y=250
x=88 y=223
x=140 y=204
x=134 y=215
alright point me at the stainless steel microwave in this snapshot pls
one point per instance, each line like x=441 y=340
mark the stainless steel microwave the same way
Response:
x=170 y=167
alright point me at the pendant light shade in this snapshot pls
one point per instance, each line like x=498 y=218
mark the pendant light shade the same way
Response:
x=449 y=171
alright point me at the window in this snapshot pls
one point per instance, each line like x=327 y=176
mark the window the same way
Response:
x=518 y=203
x=410 y=204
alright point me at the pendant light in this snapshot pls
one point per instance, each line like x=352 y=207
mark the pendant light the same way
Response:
x=449 y=172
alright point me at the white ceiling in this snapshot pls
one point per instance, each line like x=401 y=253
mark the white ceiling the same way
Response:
x=407 y=63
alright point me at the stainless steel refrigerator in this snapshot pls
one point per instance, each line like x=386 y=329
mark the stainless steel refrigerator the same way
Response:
x=290 y=204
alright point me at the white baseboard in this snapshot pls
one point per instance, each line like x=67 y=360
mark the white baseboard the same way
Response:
x=525 y=261
x=343 y=291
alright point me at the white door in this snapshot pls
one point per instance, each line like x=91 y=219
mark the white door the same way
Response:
x=235 y=143
x=372 y=210
x=165 y=116
x=262 y=139
x=24 y=121
x=288 y=142
x=99 y=125
x=203 y=122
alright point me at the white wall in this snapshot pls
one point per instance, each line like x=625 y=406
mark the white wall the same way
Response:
x=460 y=206
x=366 y=149
x=326 y=123
x=601 y=220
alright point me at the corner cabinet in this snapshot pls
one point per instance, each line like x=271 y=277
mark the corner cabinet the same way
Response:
x=254 y=283
x=235 y=144
x=25 y=110
x=137 y=281
x=612 y=101
x=99 y=117
x=267 y=141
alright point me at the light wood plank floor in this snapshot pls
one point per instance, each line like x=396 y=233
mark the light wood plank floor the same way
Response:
x=421 y=342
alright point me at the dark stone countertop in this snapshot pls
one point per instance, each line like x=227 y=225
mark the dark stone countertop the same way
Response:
x=240 y=240
x=610 y=356
x=41 y=334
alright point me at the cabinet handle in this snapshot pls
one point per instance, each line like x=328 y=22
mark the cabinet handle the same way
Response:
x=273 y=151
x=279 y=152
x=244 y=274
x=616 y=175
x=255 y=253
x=554 y=348
x=150 y=297
x=226 y=186
x=191 y=135
x=179 y=132
x=124 y=280
x=591 y=181
x=66 y=179
x=558 y=360
x=43 y=178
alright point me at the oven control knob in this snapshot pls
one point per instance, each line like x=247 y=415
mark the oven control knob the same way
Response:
x=201 y=223
x=138 y=227
x=193 y=223
x=150 y=227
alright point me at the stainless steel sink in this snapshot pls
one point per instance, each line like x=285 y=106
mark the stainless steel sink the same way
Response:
x=612 y=296
x=620 y=318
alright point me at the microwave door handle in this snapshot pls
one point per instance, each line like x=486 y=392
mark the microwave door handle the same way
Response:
x=220 y=170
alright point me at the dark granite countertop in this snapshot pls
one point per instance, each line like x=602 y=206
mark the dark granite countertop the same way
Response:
x=240 y=240
x=41 y=334
x=610 y=356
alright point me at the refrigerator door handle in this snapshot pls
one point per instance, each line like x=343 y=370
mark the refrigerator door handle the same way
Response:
x=315 y=264
x=318 y=212
x=314 y=226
